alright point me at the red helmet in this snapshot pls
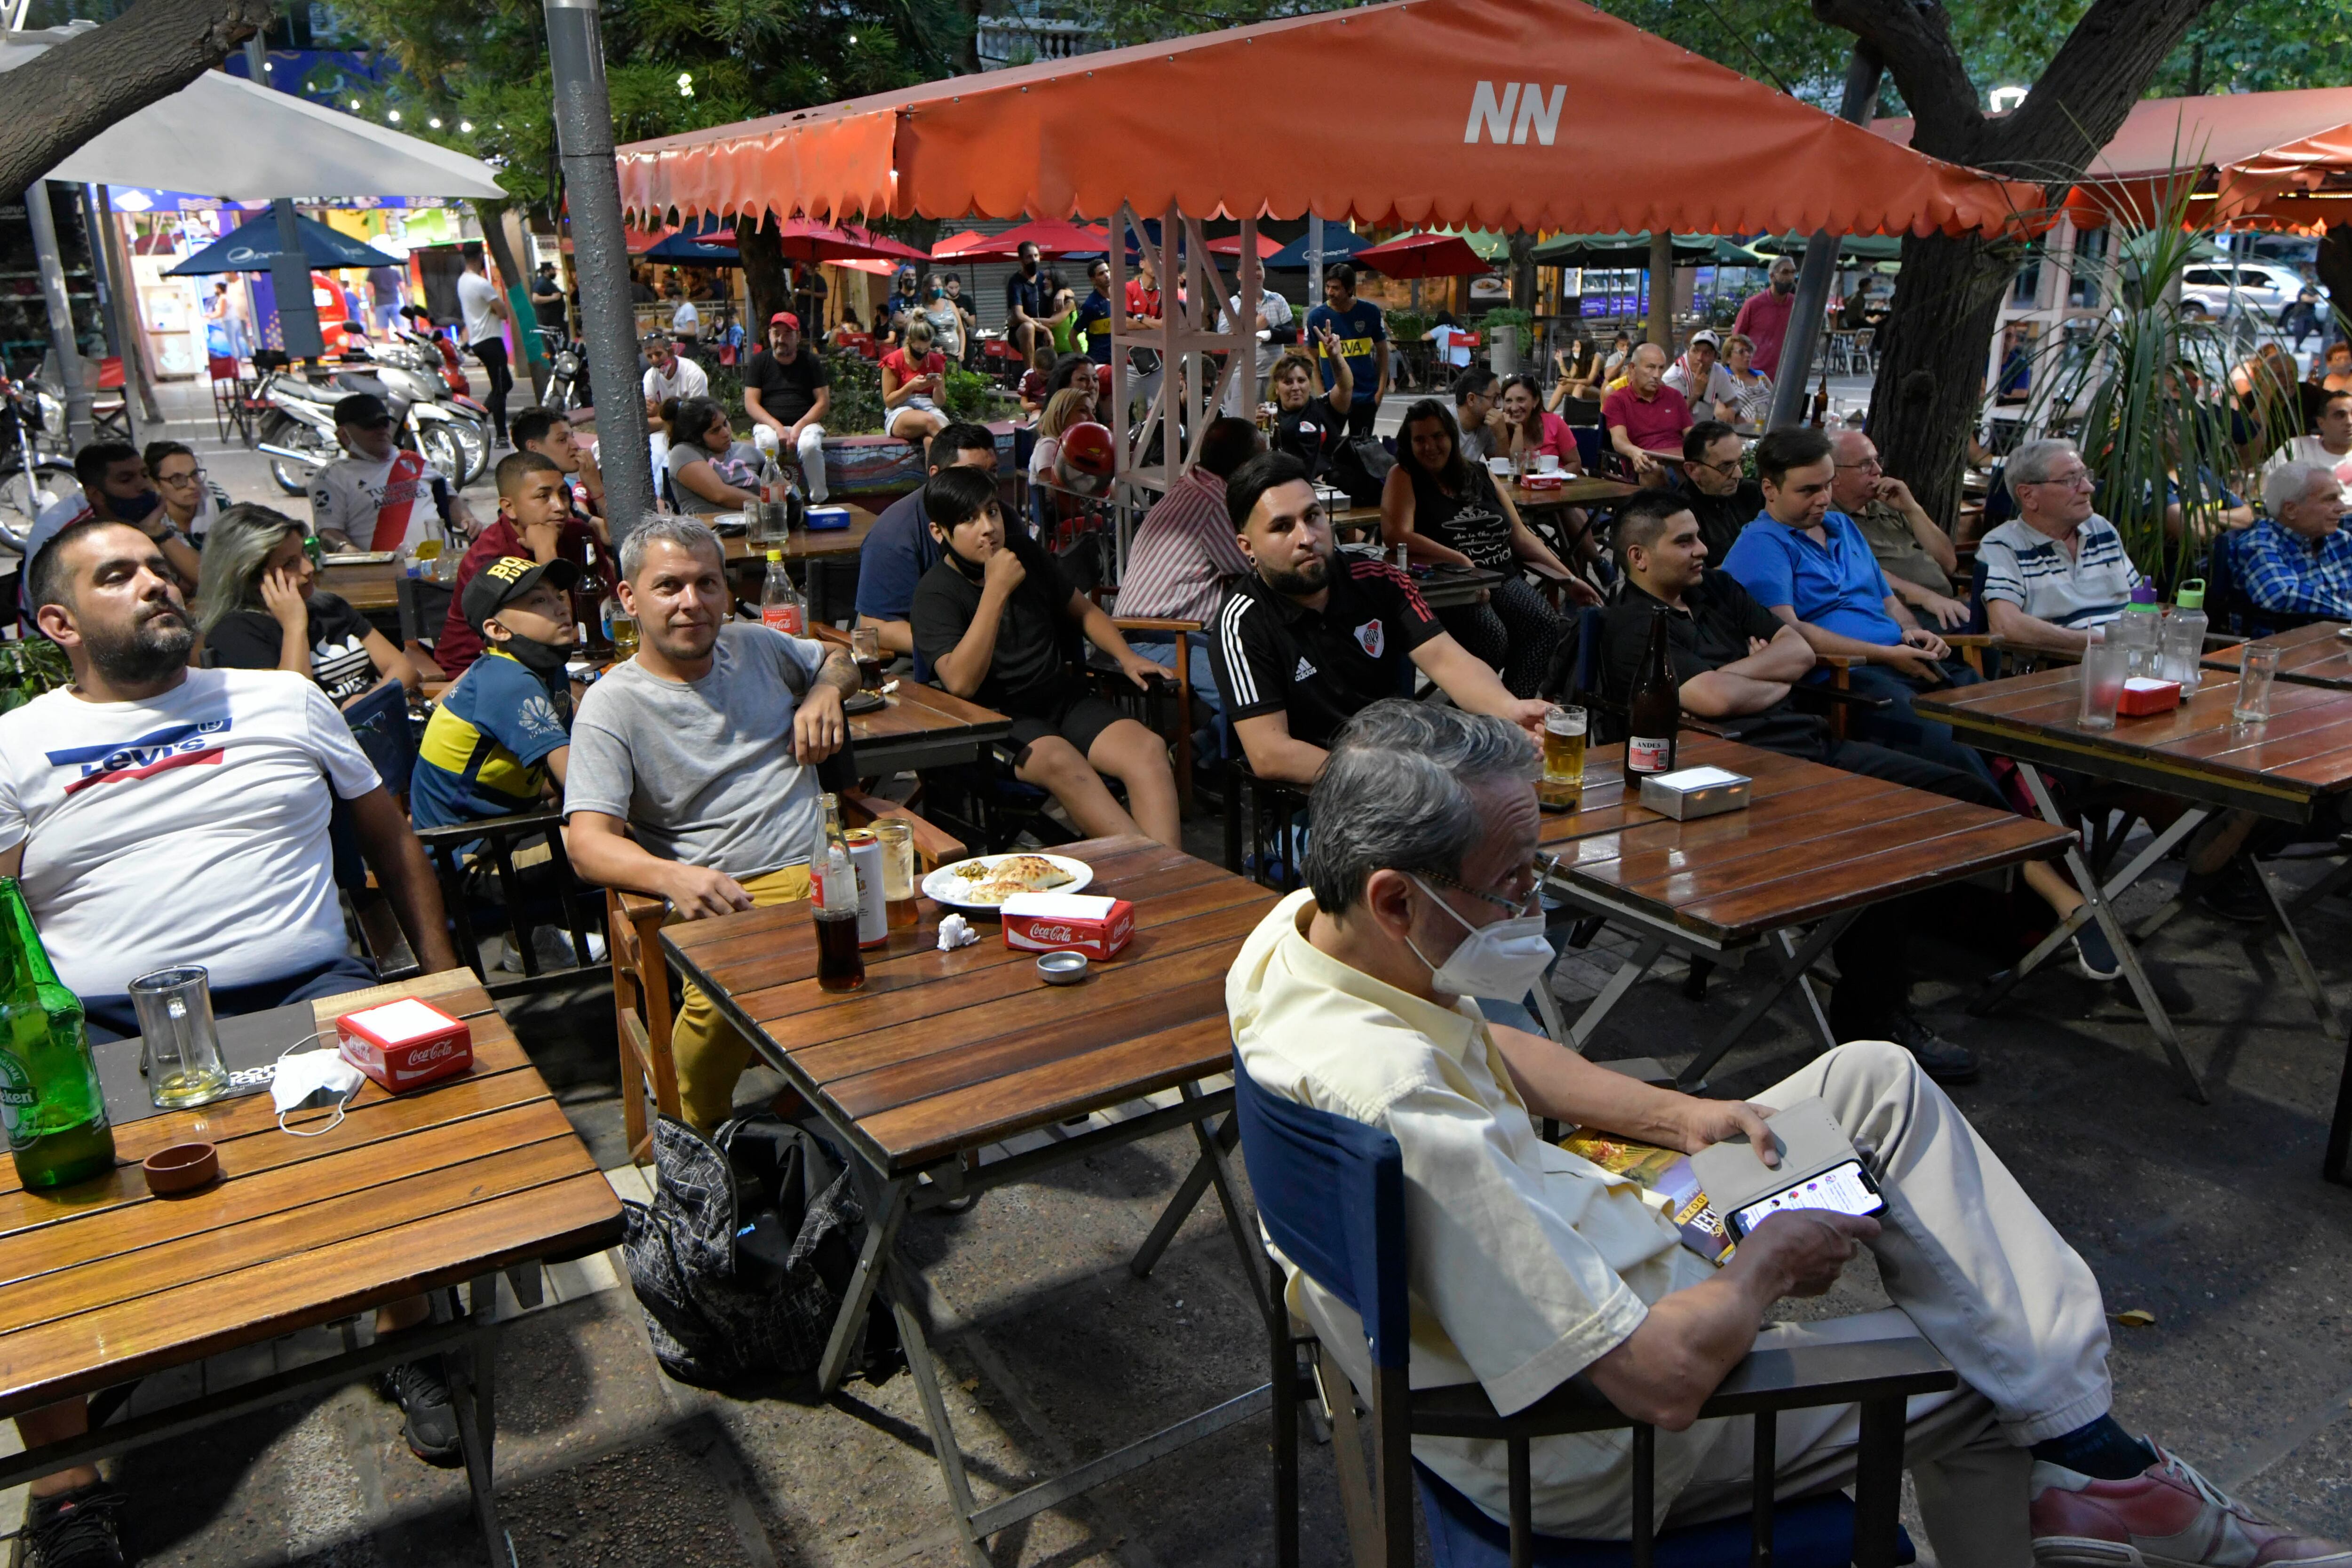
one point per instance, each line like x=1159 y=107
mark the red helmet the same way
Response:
x=1087 y=458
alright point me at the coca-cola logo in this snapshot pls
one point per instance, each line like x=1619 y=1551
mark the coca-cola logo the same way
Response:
x=438 y=1051
x=1051 y=934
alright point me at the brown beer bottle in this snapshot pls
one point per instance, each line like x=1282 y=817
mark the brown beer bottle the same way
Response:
x=1655 y=711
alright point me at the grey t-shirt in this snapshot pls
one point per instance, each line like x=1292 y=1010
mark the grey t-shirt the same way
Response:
x=702 y=771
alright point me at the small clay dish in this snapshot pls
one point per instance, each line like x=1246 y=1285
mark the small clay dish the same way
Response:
x=182 y=1168
x=1063 y=968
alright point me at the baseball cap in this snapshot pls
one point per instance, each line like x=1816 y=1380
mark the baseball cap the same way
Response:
x=785 y=319
x=362 y=411
x=501 y=581
x=1707 y=335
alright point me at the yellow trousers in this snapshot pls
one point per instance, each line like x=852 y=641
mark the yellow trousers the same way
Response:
x=712 y=1053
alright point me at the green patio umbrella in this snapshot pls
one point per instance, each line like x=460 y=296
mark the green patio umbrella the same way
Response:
x=1851 y=248
x=1622 y=249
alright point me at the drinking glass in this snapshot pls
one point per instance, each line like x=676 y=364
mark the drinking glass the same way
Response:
x=2253 y=703
x=2104 y=667
x=898 y=841
x=1563 y=780
x=178 y=1044
x=865 y=648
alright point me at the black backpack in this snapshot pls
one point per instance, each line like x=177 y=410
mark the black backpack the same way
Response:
x=1360 y=467
x=742 y=1259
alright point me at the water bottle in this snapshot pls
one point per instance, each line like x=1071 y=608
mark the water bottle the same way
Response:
x=782 y=608
x=2183 y=642
x=2136 y=630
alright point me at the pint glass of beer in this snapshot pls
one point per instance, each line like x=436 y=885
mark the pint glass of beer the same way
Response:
x=1563 y=782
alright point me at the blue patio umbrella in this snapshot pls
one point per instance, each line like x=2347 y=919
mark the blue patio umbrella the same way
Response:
x=1340 y=242
x=254 y=247
x=707 y=243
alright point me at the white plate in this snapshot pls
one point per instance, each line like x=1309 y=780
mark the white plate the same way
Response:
x=944 y=887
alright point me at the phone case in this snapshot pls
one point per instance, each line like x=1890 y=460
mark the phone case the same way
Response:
x=1806 y=1137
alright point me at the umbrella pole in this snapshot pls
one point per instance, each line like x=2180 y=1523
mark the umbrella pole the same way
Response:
x=1662 y=290
x=583 y=127
x=50 y=263
x=290 y=269
x=1789 y=377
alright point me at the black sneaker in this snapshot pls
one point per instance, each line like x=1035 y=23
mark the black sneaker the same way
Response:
x=423 y=1395
x=2231 y=893
x=1939 y=1057
x=2093 y=955
x=74 y=1530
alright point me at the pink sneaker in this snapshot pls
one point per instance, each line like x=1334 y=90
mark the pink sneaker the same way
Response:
x=2168 y=1516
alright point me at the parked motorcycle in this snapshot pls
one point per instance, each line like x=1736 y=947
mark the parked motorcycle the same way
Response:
x=32 y=474
x=567 y=381
x=409 y=366
x=298 y=432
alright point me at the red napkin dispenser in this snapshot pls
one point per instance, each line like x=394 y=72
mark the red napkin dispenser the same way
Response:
x=404 y=1043
x=1074 y=922
x=2143 y=695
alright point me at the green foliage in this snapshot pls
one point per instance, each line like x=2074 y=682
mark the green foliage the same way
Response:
x=483 y=64
x=857 y=394
x=29 y=666
x=1508 y=316
x=1405 y=326
x=965 y=392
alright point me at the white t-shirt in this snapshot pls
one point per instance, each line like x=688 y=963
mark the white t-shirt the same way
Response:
x=475 y=295
x=686 y=318
x=188 y=828
x=686 y=379
x=2307 y=449
x=1722 y=387
x=351 y=494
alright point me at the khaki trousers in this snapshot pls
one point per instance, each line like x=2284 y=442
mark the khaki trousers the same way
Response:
x=710 y=1052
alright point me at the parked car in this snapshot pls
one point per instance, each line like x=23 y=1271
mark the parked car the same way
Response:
x=2262 y=289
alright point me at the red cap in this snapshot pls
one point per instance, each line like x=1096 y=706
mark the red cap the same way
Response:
x=787 y=318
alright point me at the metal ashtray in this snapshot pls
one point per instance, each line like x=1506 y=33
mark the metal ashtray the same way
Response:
x=1063 y=968
x=182 y=1168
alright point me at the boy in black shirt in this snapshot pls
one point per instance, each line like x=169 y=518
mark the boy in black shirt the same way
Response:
x=994 y=619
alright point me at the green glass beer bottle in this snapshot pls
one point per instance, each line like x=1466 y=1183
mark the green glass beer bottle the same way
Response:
x=50 y=1101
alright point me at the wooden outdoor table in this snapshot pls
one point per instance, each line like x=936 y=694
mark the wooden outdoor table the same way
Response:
x=2283 y=768
x=923 y=727
x=806 y=544
x=1582 y=490
x=2316 y=655
x=1816 y=846
x=942 y=1055
x=363 y=584
x=1453 y=587
x=453 y=1183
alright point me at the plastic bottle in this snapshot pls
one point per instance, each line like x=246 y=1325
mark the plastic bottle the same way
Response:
x=2137 y=630
x=2183 y=644
x=781 y=605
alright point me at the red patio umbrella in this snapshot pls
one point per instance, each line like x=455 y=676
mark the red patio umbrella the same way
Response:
x=1053 y=236
x=1231 y=245
x=806 y=239
x=1424 y=256
x=957 y=247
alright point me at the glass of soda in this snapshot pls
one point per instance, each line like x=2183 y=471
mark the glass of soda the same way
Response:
x=866 y=647
x=1563 y=779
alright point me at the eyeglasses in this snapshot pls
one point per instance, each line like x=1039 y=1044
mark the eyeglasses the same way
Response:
x=1872 y=466
x=1534 y=871
x=2079 y=479
x=193 y=477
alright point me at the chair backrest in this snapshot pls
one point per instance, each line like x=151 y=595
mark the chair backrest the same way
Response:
x=1976 y=619
x=1591 y=441
x=379 y=722
x=1330 y=1191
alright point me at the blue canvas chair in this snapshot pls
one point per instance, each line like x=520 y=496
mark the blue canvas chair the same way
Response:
x=1330 y=1194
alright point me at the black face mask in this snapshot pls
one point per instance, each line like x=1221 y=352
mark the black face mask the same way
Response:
x=131 y=508
x=538 y=657
x=964 y=563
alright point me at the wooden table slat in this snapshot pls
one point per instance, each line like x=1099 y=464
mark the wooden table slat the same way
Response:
x=1799 y=898
x=2316 y=655
x=1724 y=844
x=297 y=1224
x=186 y=1322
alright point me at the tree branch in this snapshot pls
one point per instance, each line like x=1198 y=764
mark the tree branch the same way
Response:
x=1914 y=41
x=71 y=92
x=2080 y=99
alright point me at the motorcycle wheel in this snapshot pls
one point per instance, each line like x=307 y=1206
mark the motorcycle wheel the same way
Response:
x=475 y=439
x=24 y=495
x=294 y=478
x=444 y=451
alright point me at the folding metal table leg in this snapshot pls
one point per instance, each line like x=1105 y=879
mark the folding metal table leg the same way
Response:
x=1179 y=1208
x=2290 y=938
x=472 y=1372
x=2339 y=1131
x=1632 y=970
x=935 y=1409
x=1214 y=1154
x=1792 y=968
x=2095 y=899
x=2001 y=983
x=2339 y=877
x=1788 y=946
x=883 y=1220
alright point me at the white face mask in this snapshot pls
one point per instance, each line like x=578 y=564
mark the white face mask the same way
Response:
x=301 y=1075
x=1503 y=961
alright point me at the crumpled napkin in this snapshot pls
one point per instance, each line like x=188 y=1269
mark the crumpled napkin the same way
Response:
x=956 y=931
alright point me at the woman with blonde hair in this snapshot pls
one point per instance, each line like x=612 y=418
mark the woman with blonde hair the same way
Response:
x=914 y=378
x=257 y=610
x=1310 y=428
x=1755 y=403
x=1074 y=405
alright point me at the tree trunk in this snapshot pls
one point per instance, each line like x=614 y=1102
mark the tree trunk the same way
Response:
x=1931 y=357
x=69 y=94
x=2336 y=276
x=766 y=277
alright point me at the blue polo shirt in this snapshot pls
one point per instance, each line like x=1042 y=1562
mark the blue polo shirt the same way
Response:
x=1839 y=587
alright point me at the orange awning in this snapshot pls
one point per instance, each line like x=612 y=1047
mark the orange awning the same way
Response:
x=2260 y=160
x=1466 y=113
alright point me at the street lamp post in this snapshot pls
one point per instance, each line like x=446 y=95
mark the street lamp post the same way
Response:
x=600 y=258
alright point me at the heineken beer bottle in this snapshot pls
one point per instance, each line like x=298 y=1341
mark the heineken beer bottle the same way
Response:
x=50 y=1097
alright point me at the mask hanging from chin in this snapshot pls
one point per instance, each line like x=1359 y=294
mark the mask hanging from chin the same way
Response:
x=541 y=658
